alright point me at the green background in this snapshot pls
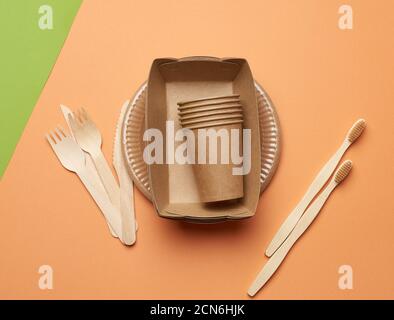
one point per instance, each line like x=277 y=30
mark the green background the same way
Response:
x=27 y=55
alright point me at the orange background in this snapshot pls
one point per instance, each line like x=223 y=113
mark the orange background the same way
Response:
x=321 y=80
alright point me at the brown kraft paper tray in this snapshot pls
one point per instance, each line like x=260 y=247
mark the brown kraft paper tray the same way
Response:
x=174 y=190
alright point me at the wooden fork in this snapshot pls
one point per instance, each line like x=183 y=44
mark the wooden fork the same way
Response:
x=89 y=139
x=73 y=159
x=89 y=162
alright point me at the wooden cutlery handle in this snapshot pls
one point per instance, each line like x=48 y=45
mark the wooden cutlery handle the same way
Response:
x=319 y=181
x=96 y=181
x=89 y=162
x=128 y=217
x=129 y=225
x=275 y=261
x=110 y=212
x=107 y=178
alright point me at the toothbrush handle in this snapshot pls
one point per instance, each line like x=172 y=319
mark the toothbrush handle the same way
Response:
x=319 y=181
x=275 y=261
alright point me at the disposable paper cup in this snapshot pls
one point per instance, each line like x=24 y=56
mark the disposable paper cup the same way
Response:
x=209 y=108
x=188 y=102
x=216 y=123
x=208 y=103
x=200 y=114
x=216 y=182
x=207 y=119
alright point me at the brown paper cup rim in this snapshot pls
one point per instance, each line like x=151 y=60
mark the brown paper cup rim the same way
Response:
x=219 y=123
x=181 y=103
x=209 y=108
x=208 y=104
x=210 y=113
x=212 y=118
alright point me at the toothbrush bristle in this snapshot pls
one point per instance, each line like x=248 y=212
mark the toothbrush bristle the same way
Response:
x=356 y=130
x=343 y=171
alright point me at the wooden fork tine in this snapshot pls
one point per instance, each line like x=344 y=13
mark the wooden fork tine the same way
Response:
x=59 y=133
x=63 y=132
x=73 y=122
x=77 y=117
x=49 y=139
x=54 y=137
x=81 y=116
x=85 y=114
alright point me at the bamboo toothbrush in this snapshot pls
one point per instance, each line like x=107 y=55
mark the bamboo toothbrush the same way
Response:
x=321 y=178
x=274 y=262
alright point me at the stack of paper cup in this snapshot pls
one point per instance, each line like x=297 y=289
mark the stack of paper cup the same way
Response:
x=222 y=118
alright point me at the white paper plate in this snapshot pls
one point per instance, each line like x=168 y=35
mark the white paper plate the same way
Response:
x=134 y=127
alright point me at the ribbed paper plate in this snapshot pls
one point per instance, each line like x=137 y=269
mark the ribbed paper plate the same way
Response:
x=134 y=127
